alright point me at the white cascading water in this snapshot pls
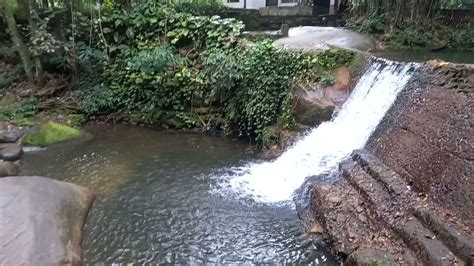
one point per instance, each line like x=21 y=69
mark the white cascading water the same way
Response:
x=321 y=150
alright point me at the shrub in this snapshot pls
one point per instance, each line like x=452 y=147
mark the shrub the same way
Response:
x=328 y=79
x=20 y=110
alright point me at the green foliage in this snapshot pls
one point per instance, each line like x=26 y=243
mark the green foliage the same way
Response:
x=50 y=133
x=77 y=119
x=416 y=37
x=457 y=4
x=260 y=98
x=151 y=23
x=20 y=110
x=4 y=82
x=408 y=24
x=461 y=38
x=222 y=72
x=154 y=60
x=9 y=75
x=167 y=65
x=372 y=24
x=328 y=79
x=201 y=8
x=96 y=99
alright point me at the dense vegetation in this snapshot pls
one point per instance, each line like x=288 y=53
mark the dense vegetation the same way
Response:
x=156 y=63
x=410 y=24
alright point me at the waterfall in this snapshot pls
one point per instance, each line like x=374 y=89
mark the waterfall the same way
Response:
x=321 y=150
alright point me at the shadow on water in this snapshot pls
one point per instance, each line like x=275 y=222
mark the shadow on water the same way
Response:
x=156 y=201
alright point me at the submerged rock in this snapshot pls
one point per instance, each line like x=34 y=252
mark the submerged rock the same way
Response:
x=41 y=221
x=50 y=133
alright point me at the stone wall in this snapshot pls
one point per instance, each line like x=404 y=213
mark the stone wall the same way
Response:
x=254 y=21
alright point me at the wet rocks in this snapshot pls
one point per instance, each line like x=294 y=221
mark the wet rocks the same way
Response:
x=41 y=221
x=8 y=168
x=9 y=136
x=10 y=151
x=317 y=102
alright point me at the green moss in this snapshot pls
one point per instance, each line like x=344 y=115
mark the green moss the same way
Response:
x=50 y=133
x=358 y=62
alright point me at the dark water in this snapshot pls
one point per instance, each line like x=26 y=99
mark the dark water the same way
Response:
x=158 y=201
x=423 y=56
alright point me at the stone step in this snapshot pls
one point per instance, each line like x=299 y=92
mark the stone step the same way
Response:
x=352 y=229
x=455 y=235
x=396 y=216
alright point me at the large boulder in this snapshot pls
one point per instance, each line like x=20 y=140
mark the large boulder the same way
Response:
x=41 y=221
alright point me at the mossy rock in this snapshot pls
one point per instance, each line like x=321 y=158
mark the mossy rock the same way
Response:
x=50 y=133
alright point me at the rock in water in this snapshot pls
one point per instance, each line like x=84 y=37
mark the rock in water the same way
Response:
x=41 y=221
x=51 y=133
x=9 y=137
x=8 y=168
x=10 y=151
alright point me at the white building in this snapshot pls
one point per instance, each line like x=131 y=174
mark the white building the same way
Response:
x=256 y=4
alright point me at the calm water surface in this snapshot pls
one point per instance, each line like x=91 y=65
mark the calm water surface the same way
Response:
x=160 y=199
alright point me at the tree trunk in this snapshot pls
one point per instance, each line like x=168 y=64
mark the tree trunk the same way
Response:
x=18 y=41
x=33 y=28
x=23 y=10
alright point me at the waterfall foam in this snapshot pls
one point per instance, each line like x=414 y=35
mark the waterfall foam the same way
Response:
x=321 y=150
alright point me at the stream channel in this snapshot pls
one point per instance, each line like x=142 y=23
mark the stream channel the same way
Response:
x=160 y=199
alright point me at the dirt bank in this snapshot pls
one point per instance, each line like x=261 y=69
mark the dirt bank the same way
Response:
x=408 y=197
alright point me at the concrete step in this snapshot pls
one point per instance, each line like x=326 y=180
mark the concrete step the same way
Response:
x=436 y=240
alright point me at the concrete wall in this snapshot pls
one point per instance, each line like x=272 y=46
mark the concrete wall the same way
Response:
x=255 y=4
x=251 y=4
x=284 y=11
x=234 y=5
x=286 y=4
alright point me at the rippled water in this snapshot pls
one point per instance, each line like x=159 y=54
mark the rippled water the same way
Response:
x=159 y=200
